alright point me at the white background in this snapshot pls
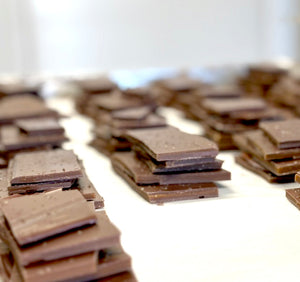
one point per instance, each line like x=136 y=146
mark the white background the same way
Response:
x=60 y=36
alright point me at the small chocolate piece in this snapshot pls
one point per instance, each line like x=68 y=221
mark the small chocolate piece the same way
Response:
x=293 y=196
x=121 y=277
x=91 y=238
x=96 y=85
x=132 y=114
x=169 y=143
x=285 y=134
x=42 y=126
x=157 y=194
x=61 y=270
x=141 y=174
x=35 y=217
x=219 y=91
x=44 y=166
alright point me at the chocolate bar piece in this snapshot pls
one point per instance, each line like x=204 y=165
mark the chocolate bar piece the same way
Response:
x=157 y=194
x=61 y=270
x=293 y=196
x=247 y=162
x=132 y=114
x=268 y=150
x=35 y=217
x=44 y=166
x=141 y=174
x=219 y=91
x=87 y=239
x=120 y=277
x=96 y=85
x=41 y=126
x=285 y=134
x=169 y=143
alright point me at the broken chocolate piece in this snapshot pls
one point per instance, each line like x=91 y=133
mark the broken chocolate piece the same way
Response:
x=293 y=196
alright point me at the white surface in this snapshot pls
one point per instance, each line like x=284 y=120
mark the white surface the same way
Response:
x=249 y=233
x=102 y=35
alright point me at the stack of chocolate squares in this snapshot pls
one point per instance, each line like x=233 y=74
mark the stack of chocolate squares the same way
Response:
x=259 y=79
x=92 y=87
x=167 y=164
x=176 y=91
x=26 y=124
x=47 y=170
x=194 y=109
x=272 y=151
x=222 y=118
x=58 y=236
x=119 y=112
x=293 y=195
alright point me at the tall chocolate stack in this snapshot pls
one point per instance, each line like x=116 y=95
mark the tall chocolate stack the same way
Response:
x=222 y=118
x=47 y=170
x=260 y=78
x=293 y=195
x=26 y=124
x=167 y=164
x=57 y=236
x=273 y=151
x=117 y=112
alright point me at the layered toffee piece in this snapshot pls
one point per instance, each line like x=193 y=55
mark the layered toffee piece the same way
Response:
x=116 y=113
x=222 y=118
x=272 y=151
x=169 y=165
x=57 y=236
x=47 y=170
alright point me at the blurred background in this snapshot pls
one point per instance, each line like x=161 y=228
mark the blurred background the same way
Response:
x=73 y=36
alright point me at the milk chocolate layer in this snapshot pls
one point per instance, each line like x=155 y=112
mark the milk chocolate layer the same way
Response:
x=169 y=143
x=157 y=194
x=91 y=238
x=247 y=162
x=35 y=217
x=44 y=166
x=293 y=196
x=285 y=134
x=141 y=174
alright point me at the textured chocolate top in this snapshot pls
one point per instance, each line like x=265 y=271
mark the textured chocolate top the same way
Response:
x=227 y=106
x=285 y=134
x=44 y=166
x=40 y=126
x=35 y=217
x=169 y=143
